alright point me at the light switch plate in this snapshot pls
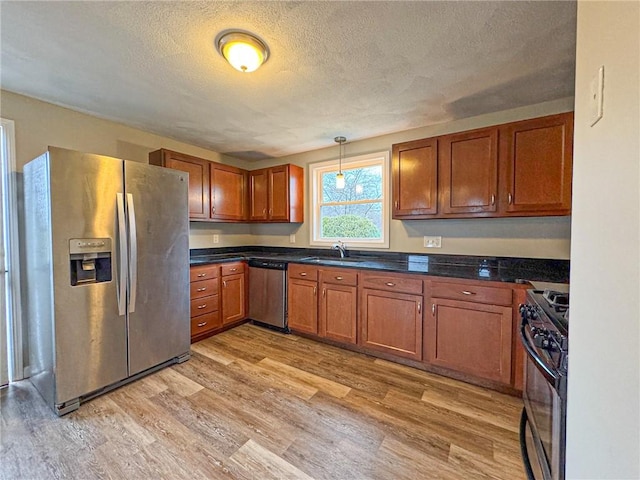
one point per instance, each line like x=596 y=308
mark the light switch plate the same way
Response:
x=596 y=100
x=292 y=238
x=433 y=242
x=216 y=238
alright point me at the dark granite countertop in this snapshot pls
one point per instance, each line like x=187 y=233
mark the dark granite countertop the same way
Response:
x=497 y=269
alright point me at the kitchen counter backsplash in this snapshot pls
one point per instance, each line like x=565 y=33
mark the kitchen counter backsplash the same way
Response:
x=501 y=269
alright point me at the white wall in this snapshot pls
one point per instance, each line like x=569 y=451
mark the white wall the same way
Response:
x=603 y=433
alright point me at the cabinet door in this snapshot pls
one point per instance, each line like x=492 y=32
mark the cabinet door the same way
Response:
x=338 y=312
x=468 y=164
x=392 y=323
x=233 y=298
x=228 y=193
x=302 y=306
x=279 y=193
x=536 y=161
x=198 y=170
x=415 y=178
x=471 y=338
x=258 y=191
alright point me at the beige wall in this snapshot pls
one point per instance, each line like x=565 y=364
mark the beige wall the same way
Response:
x=39 y=124
x=540 y=237
x=603 y=422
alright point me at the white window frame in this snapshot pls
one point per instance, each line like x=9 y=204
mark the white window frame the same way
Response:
x=315 y=178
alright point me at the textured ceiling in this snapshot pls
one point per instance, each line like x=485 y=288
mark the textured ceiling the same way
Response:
x=358 y=69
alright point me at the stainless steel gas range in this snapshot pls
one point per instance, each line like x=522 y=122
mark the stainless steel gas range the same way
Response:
x=544 y=335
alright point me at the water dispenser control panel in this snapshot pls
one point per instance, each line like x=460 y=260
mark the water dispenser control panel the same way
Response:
x=90 y=260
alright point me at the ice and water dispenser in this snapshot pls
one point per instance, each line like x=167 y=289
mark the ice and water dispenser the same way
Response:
x=90 y=260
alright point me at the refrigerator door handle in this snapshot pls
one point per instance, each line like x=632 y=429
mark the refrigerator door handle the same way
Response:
x=122 y=244
x=133 y=254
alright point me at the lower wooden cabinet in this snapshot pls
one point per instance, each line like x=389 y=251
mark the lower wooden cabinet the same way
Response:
x=233 y=293
x=473 y=338
x=303 y=305
x=338 y=312
x=392 y=323
x=338 y=304
x=460 y=328
x=205 y=301
x=218 y=298
x=391 y=313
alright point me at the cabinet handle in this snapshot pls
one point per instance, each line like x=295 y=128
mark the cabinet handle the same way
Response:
x=200 y=307
x=338 y=278
x=233 y=269
x=213 y=210
x=303 y=274
x=264 y=211
x=200 y=275
x=493 y=199
x=433 y=309
x=509 y=198
x=202 y=289
x=467 y=292
x=390 y=284
x=419 y=307
x=315 y=291
x=324 y=292
x=396 y=204
x=202 y=324
x=271 y=211
x=224 y=283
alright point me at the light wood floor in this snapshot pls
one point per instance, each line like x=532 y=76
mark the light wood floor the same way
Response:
x=255 y=404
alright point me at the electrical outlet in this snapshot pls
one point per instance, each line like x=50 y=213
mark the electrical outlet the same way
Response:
x=216 y=238
x=292 y=238
x=433 y=242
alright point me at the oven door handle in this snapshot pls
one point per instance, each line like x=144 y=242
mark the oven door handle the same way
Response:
x=552 y=377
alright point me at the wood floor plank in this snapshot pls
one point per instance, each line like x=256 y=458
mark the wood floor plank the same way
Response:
x=257 y=404
x=328 y=386
x=266 y=464
x=209 y=350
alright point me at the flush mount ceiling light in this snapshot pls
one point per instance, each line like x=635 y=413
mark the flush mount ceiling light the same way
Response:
x=244 y=51
x=340 y=175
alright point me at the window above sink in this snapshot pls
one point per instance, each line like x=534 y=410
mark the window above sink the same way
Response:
x=357 y=214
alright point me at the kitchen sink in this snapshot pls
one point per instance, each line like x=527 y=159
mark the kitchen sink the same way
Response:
x=334 y=261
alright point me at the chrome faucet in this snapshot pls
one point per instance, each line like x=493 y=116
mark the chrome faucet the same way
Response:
x=341 y=247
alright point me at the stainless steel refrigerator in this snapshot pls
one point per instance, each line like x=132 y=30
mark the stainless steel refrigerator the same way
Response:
x=107 y=244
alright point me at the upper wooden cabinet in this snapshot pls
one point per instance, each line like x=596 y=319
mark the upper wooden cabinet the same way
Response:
x=228 y=192
x=415 y=178
x=276 y=194
x=536 y=162
x=223 y=193
x=517 y=169
x=468 y=164
x=198 y=170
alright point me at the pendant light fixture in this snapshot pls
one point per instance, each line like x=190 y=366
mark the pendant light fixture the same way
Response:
x=244 y=51
x=340 y=175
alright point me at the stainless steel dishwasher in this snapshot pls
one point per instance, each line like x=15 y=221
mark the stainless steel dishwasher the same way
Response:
x=268 y=293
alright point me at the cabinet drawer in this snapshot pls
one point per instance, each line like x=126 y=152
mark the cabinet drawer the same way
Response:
x=391 y=283
x=204 y=272
x=204 y=323
x=339 y=277
x=204 y=288
x=200 y=306
x=472 y=293
x=232 y=268
x=303 y=272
